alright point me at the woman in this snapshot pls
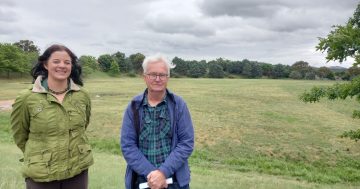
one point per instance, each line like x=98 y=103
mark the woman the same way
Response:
x=49 y=121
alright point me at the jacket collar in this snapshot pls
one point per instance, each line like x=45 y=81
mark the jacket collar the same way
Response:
x=38 y=88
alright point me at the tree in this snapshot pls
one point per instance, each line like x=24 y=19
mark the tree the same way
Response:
x=295 y=75
x=235 y=67
x=12 y=59
x=280 y=71
x=216 y=71
x=136 y=61
x=30 y=51
x=114 y=68
x=267 y=69
x=342 y=75
x=31 y=59
x=246 y=69
x=325 y=72
x=302 y=67
x=223 y=63
x=88 y=64
x=203 y=67
x=27 y=46
x=129 y=67
x=310 y=75
x=182 y=67
x=197 y=69
x=89 y=61
x=353 y=71
x=256 y=70
x=120 y=59
x=105 y=62
x=342 y=42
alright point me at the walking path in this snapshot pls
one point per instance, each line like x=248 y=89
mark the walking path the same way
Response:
x=6 y=104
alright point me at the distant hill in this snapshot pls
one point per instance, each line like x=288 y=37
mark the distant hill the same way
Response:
x=337 y=68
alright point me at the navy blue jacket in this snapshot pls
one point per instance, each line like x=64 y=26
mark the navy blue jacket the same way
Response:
x=182 y=143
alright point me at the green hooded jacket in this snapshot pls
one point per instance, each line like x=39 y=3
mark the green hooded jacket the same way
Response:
x=50 y=134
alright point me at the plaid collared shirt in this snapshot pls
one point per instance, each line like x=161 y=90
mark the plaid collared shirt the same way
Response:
x=155 y=136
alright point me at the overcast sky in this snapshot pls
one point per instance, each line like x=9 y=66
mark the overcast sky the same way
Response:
x=272 y=31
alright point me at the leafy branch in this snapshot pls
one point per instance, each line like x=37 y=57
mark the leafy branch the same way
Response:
x=337 y=91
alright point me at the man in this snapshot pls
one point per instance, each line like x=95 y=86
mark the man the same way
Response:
x=157 y=135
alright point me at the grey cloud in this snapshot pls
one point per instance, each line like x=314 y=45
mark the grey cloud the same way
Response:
x=290 y=20
x=7 y=16
x=311 y=4
x=150 y=42
x=178 y=24
x=79 y=23
x=268 y=8
x=6 y=12
x=8 y=3
x=96 y=44
x=279 y=31
x=9 y=29
x=285 y=16
x=243 y=8
x=187 y=43
x=5 y=31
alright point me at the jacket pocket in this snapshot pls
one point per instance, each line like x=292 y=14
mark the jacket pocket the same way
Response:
x=43 y=118
x=38 y=119
x=85 y=156
x=37 y=166
x=36 y=109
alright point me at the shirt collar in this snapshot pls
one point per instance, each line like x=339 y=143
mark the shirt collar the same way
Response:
x=41 y=86
x=145 y=101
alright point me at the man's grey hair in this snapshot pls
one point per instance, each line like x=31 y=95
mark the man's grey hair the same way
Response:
x=157 y=58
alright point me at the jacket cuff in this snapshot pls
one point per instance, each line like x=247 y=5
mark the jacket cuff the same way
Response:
x=165 y=171
x=148 y=171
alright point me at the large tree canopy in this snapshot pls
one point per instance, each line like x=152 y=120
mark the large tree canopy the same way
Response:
x=342 y=42
x=120 y=59
x=27 y=46
x=12 y=59
x=136 y=61
x=105 y=62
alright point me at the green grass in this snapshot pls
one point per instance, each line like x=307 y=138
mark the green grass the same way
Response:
x=5 y=127
x=242 y=127
x=108 y=173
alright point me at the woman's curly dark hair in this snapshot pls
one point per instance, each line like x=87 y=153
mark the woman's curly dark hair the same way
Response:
x=39 y=68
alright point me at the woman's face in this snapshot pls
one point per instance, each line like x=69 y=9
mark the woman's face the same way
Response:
x=59 y=66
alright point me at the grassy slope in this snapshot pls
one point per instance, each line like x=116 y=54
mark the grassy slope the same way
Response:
x=241 y=126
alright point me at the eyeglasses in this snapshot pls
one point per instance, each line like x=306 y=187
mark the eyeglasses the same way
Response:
x=153 y=76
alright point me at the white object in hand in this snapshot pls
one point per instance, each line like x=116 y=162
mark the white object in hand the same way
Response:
x=145 y=184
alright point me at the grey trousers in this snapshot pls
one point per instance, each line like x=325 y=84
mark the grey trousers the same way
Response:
x=79 y=181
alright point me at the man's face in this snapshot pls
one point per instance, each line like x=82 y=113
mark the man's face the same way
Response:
x=156 y=76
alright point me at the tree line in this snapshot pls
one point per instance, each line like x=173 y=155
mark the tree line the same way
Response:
x=19 y=58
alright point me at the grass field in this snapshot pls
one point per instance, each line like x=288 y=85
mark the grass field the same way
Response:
x=249 y=134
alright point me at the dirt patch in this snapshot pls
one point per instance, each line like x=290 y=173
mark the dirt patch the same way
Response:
x=6 y=104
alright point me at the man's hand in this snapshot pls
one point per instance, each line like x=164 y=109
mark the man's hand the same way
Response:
x=156 y=180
